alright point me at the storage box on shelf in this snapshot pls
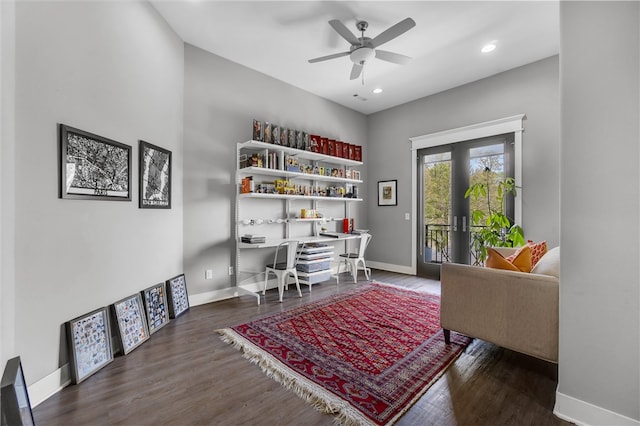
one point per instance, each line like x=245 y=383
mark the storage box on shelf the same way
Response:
x=279 y=181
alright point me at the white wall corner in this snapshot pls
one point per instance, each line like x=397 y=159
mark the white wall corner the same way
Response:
x=583 y=413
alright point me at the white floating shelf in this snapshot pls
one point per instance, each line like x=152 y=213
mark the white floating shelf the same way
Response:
x=247 y=171
x=299 y=153
x=295 y=197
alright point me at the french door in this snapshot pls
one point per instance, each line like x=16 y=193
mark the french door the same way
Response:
x=445 y=172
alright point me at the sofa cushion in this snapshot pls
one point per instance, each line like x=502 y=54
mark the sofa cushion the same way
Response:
x=521 y=261
x=549 y=264
x=537 y=251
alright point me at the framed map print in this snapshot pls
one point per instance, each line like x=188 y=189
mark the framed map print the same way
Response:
x=155 y=177
x=93 y=167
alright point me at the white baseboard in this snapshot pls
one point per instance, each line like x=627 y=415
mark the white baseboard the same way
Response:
x=401 y=269
x=583 y=413
x=212 y=296
x=49 y=385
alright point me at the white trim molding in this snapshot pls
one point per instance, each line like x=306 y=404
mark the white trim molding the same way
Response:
x=583 y=413
x=401 y=269
x=513 y=124
x=47 y=386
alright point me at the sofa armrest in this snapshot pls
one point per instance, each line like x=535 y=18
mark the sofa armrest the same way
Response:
x=516 y=310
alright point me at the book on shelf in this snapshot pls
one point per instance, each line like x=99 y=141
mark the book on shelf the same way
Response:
x=331 y=234
x=253 y=239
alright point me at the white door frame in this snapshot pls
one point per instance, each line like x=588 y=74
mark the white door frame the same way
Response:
x=500 y=126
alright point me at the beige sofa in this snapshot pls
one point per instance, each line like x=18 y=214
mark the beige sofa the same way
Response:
x=515 y=310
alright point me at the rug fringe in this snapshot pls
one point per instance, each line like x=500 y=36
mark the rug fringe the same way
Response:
x=319 y=398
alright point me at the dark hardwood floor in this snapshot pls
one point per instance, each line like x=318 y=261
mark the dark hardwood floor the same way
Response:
x=185 y=375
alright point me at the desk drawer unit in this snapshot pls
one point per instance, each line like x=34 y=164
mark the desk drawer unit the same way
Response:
x=314 y=265
x=314 y=277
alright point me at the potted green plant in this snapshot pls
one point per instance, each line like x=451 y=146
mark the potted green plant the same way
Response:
x=494 y=227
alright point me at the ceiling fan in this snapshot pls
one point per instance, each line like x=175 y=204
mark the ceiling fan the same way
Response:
x=363 y=49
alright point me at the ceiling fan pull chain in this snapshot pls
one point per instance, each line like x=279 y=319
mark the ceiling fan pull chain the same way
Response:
x=363 y=74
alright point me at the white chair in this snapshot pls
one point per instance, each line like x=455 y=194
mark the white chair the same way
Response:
x=282 y=270
x=353 y=260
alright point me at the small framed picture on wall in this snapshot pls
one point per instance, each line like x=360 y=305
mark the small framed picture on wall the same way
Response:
x=388 y=193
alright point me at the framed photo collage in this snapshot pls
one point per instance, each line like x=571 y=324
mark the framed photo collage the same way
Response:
x=95 y=337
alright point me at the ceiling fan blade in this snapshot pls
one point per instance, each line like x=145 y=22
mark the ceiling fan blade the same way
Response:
x=355 y=71
x=393 y=32
x=326 y=58
x=344 y=32
x=396 y=58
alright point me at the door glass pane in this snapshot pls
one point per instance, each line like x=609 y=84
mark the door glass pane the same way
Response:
x=437 y=207
x=487 y=166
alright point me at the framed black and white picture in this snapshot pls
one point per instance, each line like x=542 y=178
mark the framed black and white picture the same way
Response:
x=155 y=177
x=156 y=306
x=388 y=193
x=16 y=407
x=93 y=167
x=131 y=321
x=177 y=296
x=89 y=340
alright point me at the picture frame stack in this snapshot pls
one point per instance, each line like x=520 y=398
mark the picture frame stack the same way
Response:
x=95 y=338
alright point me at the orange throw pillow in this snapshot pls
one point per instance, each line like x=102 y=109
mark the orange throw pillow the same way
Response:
x=520 y=262
x=537 y=251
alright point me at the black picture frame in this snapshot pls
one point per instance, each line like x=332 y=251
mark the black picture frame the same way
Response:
x=16 y=406
x=89 y=341
x=92 y=167
x=388 y=193
x=156 y=306
x=129 y=314
x=154 y=180
x=177 y=295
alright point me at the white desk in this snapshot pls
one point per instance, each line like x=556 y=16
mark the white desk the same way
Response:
x=274 y=242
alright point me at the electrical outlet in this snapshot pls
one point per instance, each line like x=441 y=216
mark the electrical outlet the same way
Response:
x=230 y=270
x=208 y=274
x=407 y=216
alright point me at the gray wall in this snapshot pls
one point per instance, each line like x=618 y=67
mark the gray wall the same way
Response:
x=531 y=89
x=114 y=69
x=599 y=294
x=221 y=100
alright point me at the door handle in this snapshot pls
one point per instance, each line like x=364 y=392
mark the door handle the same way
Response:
x=464 y=224
x=455 y=224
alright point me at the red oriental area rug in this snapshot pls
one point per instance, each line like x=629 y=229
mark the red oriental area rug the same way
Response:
x=366 y=355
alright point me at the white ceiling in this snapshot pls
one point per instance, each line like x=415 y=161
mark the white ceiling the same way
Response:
x=278 y=38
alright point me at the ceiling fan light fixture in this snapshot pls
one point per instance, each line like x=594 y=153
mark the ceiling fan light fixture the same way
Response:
x=362 y=55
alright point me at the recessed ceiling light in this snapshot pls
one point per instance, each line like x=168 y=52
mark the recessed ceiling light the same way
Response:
x=377 y=90
x=488 y=48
